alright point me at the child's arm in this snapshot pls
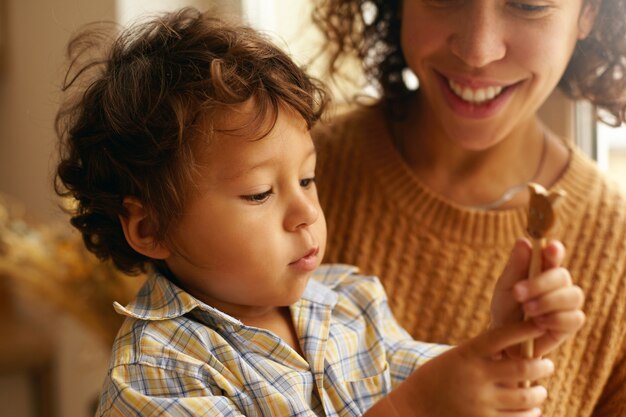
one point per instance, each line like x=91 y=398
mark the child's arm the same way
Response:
x=142 y=389
x=550 y=299
x=467 y=381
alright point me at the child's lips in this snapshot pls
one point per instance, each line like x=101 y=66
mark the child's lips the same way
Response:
x=308 y=262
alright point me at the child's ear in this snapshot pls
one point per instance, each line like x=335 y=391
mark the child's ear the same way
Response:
x=139 y=230
x=587 y=19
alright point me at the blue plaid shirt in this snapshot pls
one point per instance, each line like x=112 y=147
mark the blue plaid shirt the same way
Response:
x=177 y=356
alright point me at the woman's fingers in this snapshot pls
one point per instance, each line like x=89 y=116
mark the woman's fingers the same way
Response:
x=553 y=338
x=553 y=255
x=511 y=399
x=548 y=281
x=562 y=299
x=533 y=412
x=514 y=371
x=516 y=268
x=562 y=321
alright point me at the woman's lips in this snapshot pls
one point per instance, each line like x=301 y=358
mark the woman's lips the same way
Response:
x=308 y=262
x=477 y=102
x=475 y=95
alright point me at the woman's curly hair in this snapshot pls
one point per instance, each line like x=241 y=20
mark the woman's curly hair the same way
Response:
x=369 y=30
x=138 y=112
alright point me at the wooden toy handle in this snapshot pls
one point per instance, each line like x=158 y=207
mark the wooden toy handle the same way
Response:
x=536 y=264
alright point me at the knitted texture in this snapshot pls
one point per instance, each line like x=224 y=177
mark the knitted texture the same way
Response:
x=439 y=261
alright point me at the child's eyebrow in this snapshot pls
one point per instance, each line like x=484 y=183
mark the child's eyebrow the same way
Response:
x=261 y=164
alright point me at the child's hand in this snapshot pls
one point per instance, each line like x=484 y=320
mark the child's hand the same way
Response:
x=468 y=381
x=550 y=299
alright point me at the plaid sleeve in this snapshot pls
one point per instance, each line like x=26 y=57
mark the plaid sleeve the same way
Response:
x=404 y=354
x=137 y=389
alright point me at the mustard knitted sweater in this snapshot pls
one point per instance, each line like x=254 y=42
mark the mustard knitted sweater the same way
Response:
x=439 y=261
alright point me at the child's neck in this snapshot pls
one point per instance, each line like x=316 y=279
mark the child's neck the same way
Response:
x=279 y=322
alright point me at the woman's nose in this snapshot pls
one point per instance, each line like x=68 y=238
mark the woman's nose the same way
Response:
x=479 y=38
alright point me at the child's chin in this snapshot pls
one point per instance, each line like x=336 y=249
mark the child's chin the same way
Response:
x=296 y=295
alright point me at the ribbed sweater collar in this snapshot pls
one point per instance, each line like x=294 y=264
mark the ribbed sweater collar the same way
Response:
x=402 y=188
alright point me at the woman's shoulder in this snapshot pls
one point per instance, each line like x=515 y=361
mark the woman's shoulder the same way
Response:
x=347 y=123
x=594 y=209
x=587 y=182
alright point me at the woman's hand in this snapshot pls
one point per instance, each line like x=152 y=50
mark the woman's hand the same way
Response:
x=551 y=300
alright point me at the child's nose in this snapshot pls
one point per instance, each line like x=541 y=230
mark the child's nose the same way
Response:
x=303 y=211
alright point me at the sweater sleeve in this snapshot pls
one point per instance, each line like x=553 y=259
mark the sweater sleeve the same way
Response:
x=612 y=401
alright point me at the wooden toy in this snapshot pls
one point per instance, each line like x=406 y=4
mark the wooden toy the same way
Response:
x=541 y=219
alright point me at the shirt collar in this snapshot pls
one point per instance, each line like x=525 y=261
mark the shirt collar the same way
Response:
x=318 y=293
x=160 y=299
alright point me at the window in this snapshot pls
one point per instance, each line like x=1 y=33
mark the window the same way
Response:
x=611 y=152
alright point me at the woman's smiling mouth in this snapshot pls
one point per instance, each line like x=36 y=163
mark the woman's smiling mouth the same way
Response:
x=475 y=100
x=474 y=95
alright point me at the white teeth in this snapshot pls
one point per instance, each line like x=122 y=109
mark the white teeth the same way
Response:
x=468 y=95
x=478 y=95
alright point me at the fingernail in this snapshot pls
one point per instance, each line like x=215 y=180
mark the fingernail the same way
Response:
x=520 y=292
x=530 y=306
x=550 y=364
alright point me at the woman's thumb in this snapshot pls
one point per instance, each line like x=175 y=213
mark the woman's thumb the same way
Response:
x=517 y=266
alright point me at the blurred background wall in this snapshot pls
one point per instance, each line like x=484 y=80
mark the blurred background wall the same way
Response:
x=33 y=34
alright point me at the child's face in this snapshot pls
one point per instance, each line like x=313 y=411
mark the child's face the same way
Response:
x=254 y=233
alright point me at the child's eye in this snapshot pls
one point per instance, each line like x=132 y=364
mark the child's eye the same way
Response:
x=258 y=198
x=306 y=182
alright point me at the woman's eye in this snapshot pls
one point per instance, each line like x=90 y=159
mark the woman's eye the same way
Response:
x=441 y=3
x=306 y=182
x=258 y=198
x=529 y=8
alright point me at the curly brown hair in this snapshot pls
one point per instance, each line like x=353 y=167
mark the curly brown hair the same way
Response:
x=136 y=113
x=369 y=30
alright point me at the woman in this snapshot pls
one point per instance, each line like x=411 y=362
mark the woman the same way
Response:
x=427 y=188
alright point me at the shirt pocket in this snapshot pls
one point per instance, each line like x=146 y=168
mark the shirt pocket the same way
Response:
x=366 y=391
